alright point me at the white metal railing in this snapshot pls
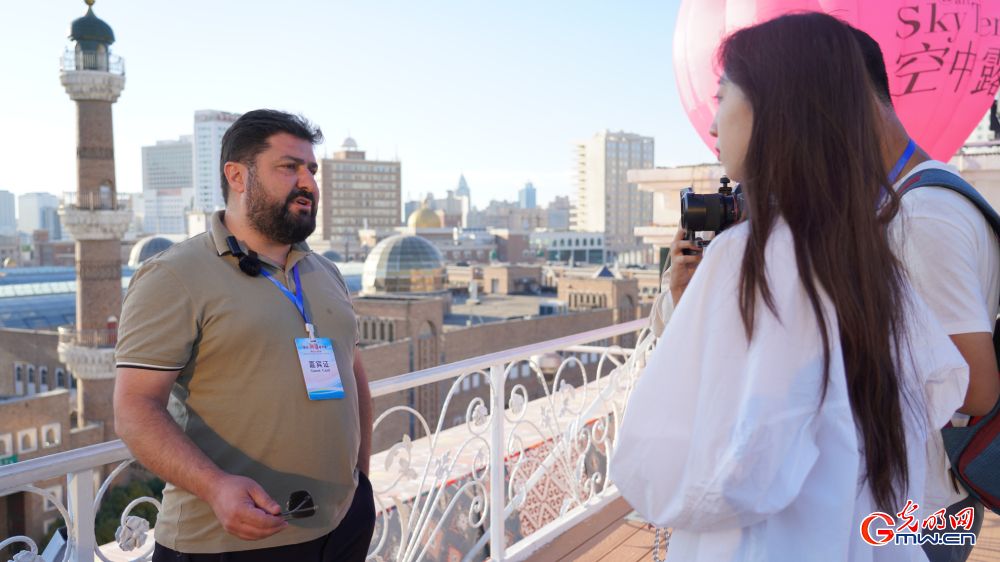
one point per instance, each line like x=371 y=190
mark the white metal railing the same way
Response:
x=544 y=434
x=102 y=200
x=74 y=60
x=69 y=335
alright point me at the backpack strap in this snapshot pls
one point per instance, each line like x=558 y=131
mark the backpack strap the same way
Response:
x=937 y=177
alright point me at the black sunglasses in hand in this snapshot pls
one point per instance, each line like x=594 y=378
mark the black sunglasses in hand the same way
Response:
x=299 y=506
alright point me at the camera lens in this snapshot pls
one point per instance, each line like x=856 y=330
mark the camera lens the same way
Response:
x=701 y=213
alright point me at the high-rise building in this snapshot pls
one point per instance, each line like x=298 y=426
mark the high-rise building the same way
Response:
x=39 y=211
x=463 y=188
x=606 y=201
x=557 y=213
x=526 y=196
x=454 y=208
x=209 y=126
x=357 y=193
x=410 y=207
x=508 y=215
x=8 y=216
x=167 y=185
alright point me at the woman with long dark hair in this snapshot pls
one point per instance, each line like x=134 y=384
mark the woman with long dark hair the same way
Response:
x=800 y=382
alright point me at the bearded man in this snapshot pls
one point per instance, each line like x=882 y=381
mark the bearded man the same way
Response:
x=266 y=455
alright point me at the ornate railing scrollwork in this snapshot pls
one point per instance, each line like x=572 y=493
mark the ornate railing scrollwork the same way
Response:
x=506 y=467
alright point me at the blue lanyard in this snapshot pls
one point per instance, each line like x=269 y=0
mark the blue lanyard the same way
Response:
x=295 y=297
x=911 y=147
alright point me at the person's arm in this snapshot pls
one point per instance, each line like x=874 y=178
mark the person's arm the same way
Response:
x=141 y=419
x=365 y=415
x=984 y=380
x=938 y=244
x=682 y=267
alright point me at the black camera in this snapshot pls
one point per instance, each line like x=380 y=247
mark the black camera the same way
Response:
x=713 y=212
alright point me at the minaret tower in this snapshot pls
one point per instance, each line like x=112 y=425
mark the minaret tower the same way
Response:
x=94 y=78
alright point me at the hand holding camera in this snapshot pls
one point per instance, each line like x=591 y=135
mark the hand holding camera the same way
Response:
x=685 y=255
x=712 y=212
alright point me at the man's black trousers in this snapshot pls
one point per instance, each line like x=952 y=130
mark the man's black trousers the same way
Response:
x=348 y=542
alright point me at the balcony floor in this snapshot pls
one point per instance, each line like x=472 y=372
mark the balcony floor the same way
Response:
x=631 y=540
x=623 y=540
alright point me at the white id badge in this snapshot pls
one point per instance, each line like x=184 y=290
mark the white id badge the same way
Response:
x=319 y=367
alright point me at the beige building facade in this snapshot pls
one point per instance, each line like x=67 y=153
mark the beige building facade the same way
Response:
x=979 y=164
x=356 y=194
x=606 y=199
x=38 y=417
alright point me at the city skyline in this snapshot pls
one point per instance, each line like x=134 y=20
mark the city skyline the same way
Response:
x=505 y=108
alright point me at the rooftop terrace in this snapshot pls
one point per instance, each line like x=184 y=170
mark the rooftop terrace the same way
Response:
x=519 y=479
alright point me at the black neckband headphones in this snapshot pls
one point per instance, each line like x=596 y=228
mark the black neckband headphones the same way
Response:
x=249 y=262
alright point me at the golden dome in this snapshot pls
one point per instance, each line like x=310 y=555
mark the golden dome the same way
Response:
x=424 y=218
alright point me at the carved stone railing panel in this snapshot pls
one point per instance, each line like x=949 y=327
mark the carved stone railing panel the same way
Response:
x=97 y=224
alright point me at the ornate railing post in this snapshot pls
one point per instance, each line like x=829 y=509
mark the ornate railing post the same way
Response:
x=80 y=489
x=497 y=463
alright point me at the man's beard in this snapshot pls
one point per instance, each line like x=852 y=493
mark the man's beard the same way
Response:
x=276 y=220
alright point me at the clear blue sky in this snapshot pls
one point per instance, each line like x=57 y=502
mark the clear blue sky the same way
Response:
x=497 y=90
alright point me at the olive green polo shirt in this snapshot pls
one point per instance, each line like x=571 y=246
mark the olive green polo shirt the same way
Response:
x=231 y=336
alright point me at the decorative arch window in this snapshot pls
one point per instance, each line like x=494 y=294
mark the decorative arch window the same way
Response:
x=51 y=435
x=27 y=440
x=60 y=377
x=43 y=378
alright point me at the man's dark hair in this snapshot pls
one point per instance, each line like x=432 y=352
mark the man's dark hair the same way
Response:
x=247 y=137
x=875 y=63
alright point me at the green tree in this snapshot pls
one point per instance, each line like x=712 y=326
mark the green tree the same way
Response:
x=117 y=499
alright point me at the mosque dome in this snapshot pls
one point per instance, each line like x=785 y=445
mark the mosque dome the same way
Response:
x=424 y=218
x=146 y=248
x=349 y=144
x=403 y=264
x=91 y=28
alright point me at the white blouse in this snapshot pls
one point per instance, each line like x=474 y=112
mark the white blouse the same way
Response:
x=729 y=444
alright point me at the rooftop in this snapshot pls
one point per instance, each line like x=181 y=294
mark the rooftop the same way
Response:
x=494 y=308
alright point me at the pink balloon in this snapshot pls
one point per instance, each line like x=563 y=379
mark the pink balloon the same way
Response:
x=942 y=56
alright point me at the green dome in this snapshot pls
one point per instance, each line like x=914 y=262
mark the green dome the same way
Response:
x=403 y=264
x=91 y=28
